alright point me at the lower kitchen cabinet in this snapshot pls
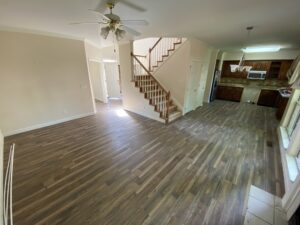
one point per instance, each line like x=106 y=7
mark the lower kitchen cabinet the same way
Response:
x=281 y=105
x=229 y=93
x=268 y=98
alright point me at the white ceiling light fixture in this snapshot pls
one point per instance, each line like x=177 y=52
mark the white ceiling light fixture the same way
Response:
x=240 y=67
x=269 y=48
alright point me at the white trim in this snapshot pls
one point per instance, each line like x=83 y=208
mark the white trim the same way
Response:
x=287 y=182
x=39 y=32
x=37 y=126
x=292 y=167
x=146 y=115
x=291 y=198
x=1 y=177
x=93 y=44
x=284 y=137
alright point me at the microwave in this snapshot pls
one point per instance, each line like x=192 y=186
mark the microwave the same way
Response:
x=256 y=75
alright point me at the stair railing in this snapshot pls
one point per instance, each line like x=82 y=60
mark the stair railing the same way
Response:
x=149 y=85
x=160 y=49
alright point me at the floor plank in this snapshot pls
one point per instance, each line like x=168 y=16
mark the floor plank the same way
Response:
x=121 y=168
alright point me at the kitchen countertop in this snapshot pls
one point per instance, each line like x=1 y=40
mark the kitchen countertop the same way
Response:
x=280 y=89
x=250 y=86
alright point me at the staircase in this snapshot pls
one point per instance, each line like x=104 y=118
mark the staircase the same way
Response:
x=152 y=90
x=161 y=50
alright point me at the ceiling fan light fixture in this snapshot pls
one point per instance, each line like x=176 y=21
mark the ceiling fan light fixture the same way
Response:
x=105 y=31
x=120 y=34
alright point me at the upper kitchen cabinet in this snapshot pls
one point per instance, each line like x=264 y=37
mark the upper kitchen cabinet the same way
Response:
x=285 y=66
x=276 y=69
x=279 y=69
x=258 y=65
x=226 y=70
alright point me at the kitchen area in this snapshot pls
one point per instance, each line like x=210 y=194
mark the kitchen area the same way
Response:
x=261 y=82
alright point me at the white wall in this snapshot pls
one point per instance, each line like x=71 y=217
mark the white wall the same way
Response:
x=141 y=47
x=133 y=100
x=44 y=80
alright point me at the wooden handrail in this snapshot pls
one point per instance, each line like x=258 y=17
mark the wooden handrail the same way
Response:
x=159 y=39
x=148 y=72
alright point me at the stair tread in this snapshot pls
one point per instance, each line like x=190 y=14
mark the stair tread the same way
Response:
x=157 y=96
x=157 y=90
x=175 y=113
x=155 y=84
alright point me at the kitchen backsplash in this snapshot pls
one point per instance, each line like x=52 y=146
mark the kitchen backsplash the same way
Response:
x=267 y=82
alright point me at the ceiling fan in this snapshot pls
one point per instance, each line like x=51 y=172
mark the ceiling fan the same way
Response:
x=112 y=23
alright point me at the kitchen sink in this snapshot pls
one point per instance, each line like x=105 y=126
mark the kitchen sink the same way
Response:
x=284 y=92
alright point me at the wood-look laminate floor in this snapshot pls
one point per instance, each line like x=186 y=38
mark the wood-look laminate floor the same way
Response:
x=119 y=168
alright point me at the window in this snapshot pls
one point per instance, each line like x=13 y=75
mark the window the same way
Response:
x=294 y=119
x=298 y=159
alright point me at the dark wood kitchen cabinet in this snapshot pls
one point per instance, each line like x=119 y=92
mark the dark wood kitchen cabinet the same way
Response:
x=281 y=104
x=229 y=93
x=276 y=69
x=285 y=66
x=259 y=65
x=268 y=98
x=226 y=72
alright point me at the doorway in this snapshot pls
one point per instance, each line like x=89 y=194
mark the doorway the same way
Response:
x=196 y=86
x=98 y=82
x=112 y=80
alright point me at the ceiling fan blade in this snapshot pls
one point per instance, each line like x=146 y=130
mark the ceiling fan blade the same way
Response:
x=131 y=31
x=132 y=5
x=100 y=14
x=135 y=22
x=79 y=23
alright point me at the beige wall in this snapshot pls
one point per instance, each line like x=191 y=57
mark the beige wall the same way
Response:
x=133 y=100
x=1 y=177
x=173 y=73
x=44 y=80
x=207 y=55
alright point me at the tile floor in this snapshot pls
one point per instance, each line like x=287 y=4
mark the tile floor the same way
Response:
x=264 y=208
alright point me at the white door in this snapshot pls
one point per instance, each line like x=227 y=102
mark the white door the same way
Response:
x=202 y=69
x=194 y=88
x=112 y=80
x=98 y=81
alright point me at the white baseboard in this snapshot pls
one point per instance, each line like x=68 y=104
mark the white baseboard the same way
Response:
x=37 y=126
